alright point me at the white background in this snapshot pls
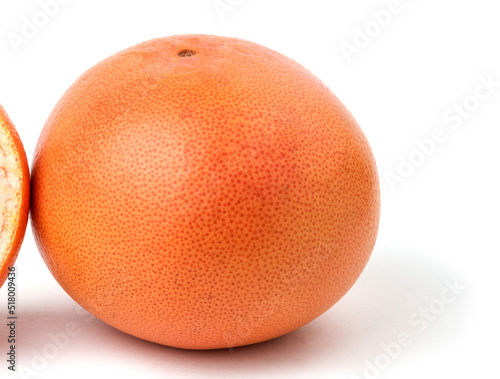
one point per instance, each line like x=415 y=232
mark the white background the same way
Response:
x=441 y=224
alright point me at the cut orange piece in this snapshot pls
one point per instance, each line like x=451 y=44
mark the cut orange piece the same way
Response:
x=14 y=194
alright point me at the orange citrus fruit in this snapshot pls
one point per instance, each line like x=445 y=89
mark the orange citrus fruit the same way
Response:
x=203 y=192
x=14 y=193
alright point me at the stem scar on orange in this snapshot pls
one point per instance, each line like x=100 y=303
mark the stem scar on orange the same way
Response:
x=14 y=193
x=204 y=192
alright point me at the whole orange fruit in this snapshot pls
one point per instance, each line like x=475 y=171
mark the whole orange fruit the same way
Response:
x=203 y=192
x=14 y=194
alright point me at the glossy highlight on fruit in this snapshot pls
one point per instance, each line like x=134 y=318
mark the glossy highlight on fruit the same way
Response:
x=204 y=192
x=14 y=194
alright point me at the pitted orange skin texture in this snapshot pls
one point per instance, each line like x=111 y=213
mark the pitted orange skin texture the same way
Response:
x=204 y=192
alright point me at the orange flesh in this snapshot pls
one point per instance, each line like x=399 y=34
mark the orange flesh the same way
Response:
x=14 y=194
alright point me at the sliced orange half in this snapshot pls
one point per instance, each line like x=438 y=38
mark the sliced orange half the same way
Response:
x=14 y=194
